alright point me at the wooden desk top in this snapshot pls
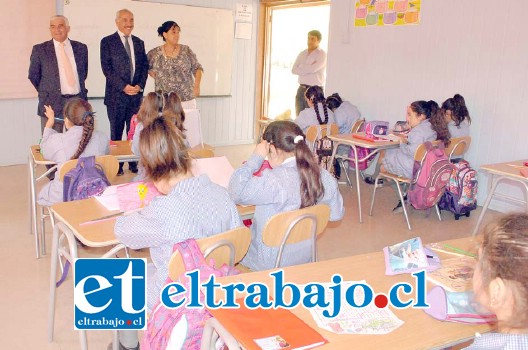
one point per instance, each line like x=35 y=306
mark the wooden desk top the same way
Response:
x=420 y=331
x=510 y=169
x=99 y=234
x=121 y=149
x=38 y=158
x=350 y=140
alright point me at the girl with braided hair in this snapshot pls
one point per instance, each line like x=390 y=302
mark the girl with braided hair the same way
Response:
x=80 y=140
x=317 y=112
x=295 y=181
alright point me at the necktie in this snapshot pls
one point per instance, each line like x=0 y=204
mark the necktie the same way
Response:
x=68 y=70
x=127 y=48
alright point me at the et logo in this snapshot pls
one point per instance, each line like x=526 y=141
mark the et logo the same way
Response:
x=110 y=293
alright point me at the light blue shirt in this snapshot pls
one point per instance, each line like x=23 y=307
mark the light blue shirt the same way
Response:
x=345 y=116
x=307 y=117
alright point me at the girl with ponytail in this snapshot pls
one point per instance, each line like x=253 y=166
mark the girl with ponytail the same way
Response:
x=456 y=116
x=81 y=140
x=317 y=112
x=296 y=181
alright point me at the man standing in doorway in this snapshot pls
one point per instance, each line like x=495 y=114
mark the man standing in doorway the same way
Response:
x=125 y=67
x=57 y=70
x=310 y=66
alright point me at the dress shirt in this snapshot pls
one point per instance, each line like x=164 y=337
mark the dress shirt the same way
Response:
x=311 y=67
x=131 y=43
x=67 y=89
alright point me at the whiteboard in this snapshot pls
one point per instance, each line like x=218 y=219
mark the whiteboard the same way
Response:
x=207 y=31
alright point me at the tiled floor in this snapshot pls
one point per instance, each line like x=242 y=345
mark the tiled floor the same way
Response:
x=25 y=288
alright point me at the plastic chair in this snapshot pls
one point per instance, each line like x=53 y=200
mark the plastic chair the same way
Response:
x=110 y=165
x=419 y=156
x=357 y=125
x=224 y=248
x=315 y=132
x=296 y=226
x=458 y=147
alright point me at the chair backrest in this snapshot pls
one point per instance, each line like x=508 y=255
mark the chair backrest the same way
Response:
x=325 y=130
x=109 y=163
x=202 y=151
x=296 y=226
x=422 y=150
x=224 y=248
x=357 y=125
x=458 y=147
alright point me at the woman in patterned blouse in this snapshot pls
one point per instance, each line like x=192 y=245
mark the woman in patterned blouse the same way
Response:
x=175 y=67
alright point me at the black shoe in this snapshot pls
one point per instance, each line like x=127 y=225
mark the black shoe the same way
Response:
x=120 y=171
x=132 y=166
x=398 y=208
x=371 y=181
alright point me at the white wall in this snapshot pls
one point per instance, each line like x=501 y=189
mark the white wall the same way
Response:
x=225 y=120
x=474 y=47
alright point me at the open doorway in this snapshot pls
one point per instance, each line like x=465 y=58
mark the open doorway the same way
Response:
x=287 y=37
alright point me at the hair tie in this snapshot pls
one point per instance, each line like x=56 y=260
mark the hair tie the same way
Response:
x=86 y=114
x=298 y=139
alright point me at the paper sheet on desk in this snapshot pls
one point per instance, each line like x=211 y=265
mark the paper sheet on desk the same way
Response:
x=127 y=197
x=109 y=198
x=218 y=169
x=351 y=320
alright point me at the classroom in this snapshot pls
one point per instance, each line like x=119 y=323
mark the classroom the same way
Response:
x=471 y=47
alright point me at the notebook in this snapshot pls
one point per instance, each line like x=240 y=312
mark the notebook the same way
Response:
x=218 y=169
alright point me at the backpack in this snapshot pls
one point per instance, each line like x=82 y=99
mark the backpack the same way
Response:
x=182 y=328
x=460 y=196
x=363 y=153
x=86 y=180
x=323 y=149
x=430 y=177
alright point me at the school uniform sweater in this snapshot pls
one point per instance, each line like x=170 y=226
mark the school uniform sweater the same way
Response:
x=400 y=161
x=499 y=341
x=307 y=117
x=460 y=130
x=345 y=116
x=195 y=208
x=59 y=148
x=276 y=191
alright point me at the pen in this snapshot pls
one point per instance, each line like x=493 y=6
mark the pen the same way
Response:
x=458 y=250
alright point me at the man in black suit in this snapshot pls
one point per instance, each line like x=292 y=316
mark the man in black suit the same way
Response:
x=125 y=66
x=58 y=69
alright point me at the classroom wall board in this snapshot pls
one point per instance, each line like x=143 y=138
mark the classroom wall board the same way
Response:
x=207 y=31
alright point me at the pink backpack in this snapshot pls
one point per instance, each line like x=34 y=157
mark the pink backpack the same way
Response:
x=161 y=330
x=430 y=177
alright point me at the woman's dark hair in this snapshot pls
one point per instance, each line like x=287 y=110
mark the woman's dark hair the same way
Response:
x=334 y=101
x=165 y=27
x=316 y=95
x=282 y=135
x=163 y=151
x=79 y=112
x=173 y=109
x=432 y=112
x=457 y=106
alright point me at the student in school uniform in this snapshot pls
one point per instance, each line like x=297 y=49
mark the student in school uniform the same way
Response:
x=295 y=181
x=500 y=283
x=189 y=207
x=456 y=116
x=317 y=112
x=345 y=113
x=81 y=140
x=427 y=124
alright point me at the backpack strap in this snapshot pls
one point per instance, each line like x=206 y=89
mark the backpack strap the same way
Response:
x=191 y=254
x=86 y=162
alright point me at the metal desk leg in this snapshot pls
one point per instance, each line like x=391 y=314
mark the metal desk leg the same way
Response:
x=486 y=204
x=33 y=205
x=356 y=165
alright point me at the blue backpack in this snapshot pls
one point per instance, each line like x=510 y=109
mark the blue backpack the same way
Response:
x=86 y=180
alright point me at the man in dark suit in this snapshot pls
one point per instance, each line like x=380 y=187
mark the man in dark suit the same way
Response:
x=125 y=66
x=58 y=69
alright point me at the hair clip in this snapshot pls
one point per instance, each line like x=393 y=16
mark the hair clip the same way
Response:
x=298 y=139
x=87 y=113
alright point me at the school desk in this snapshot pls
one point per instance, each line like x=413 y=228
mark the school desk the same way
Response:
x=354 y=142
x=69 y=219
x=120 y=149
x=419 y=331
x=502 y=172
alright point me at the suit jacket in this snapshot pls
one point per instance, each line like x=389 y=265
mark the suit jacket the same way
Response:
x=44 y=73
x=116 y=66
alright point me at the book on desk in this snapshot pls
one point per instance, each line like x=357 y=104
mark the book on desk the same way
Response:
x=455 y=275
x=267 y=329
